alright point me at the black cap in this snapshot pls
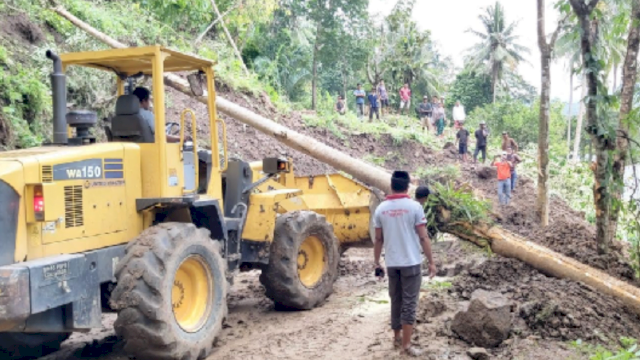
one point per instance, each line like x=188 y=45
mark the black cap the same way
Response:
x=399 y=174
x=422 y=192
x=400 y=181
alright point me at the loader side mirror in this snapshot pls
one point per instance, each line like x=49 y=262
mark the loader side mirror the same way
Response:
x=195 y=83
x=275 y=166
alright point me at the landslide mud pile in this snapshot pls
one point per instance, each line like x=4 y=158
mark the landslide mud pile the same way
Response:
x=550 y=307
x=546 y=306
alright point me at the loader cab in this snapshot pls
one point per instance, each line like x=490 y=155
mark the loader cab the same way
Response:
x=168 y=170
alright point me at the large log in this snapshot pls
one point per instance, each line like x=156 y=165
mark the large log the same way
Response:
x=501 y=241
x=507 y=244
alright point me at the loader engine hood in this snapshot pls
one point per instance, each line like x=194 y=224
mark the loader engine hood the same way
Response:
x=9 y=211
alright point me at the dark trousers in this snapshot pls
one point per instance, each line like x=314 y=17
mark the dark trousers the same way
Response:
x=360 y=110
x=482 y=148
x=374 y=110
x=404 y=291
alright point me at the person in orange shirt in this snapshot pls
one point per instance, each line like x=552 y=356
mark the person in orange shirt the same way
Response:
x=504 y=178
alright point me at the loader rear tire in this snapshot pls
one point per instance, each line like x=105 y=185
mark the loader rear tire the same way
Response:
x=303 y=261
x=30 y=345
x=170 y=293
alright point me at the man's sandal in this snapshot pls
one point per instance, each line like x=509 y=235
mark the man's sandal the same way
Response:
x=397 y=343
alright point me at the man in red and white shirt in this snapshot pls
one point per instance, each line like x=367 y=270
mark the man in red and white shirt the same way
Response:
x=401 y=228
x=405 y=98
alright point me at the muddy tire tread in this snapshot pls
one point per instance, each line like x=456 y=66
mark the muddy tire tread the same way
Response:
x=143 y=317
x=280 y=276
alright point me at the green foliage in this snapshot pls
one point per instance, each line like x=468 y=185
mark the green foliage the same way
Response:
x=375 y=160
x=628 y=350
x=180 y=14
x=473 y=90
x=572 y=182
x=442 y=174
x=521 y=122
x=24 y=102
x=498 y=51
x=438 y=285
x=462 y=204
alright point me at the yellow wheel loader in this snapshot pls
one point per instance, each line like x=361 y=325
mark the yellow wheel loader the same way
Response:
x=156 y=230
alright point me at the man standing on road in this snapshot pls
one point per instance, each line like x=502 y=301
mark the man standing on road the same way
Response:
x=462 y=138
x=405 y=98
x=360 y=95
x=383 y=96
x=481 y=142
x=425 y=109
x=514 y=159
x=508 y=142
x=504 y=178
x=401 y=228
x=459 y=116
x=373 y=105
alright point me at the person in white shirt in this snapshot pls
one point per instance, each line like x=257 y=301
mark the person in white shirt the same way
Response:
x=459 y=116
x=400 y=226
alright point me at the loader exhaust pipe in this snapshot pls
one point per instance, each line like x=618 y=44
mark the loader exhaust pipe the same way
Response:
x=59 y=93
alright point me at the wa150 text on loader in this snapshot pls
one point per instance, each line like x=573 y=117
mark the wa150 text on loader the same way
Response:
x=156 y=230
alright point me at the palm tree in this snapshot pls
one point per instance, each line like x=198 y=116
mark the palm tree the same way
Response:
x=498 y=51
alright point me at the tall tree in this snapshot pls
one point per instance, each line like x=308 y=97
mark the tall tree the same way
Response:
x=546 y=52
x=602 y=142
x=611 y=145
x=498 y=50
x=629 y=79
x=330 y=17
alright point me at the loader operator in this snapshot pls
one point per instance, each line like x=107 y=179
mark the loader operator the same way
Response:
x=400 y=228
x=144 y=95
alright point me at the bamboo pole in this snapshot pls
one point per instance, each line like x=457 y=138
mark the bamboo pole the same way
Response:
x=501 y=241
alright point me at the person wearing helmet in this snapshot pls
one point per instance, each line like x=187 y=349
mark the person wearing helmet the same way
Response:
x=481 y=142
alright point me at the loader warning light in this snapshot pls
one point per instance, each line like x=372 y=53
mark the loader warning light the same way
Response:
x=275 y=166
x=38 y=203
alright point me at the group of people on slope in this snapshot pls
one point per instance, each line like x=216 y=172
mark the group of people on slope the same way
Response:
x=432 y=114
x=506 y=163
x=378 y=100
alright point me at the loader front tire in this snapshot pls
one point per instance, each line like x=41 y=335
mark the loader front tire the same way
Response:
x=170 y=293
x=24 y=346
x=303 y=261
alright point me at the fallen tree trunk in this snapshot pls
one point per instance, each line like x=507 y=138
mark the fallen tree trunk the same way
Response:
x=547 y=261
x=501 y=241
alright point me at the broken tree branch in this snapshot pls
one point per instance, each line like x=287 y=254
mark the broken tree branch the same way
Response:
x=231 y=42
x=213 y=23
x=501 y=241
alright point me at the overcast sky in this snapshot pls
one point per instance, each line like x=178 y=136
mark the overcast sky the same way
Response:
x=448 y=21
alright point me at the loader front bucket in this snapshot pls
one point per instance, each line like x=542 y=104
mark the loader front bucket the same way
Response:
x=347 y=204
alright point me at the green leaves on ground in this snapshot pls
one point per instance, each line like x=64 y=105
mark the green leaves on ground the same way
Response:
x=460 y=204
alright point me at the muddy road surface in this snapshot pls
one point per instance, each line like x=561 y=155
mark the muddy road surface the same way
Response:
x=352 y=324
